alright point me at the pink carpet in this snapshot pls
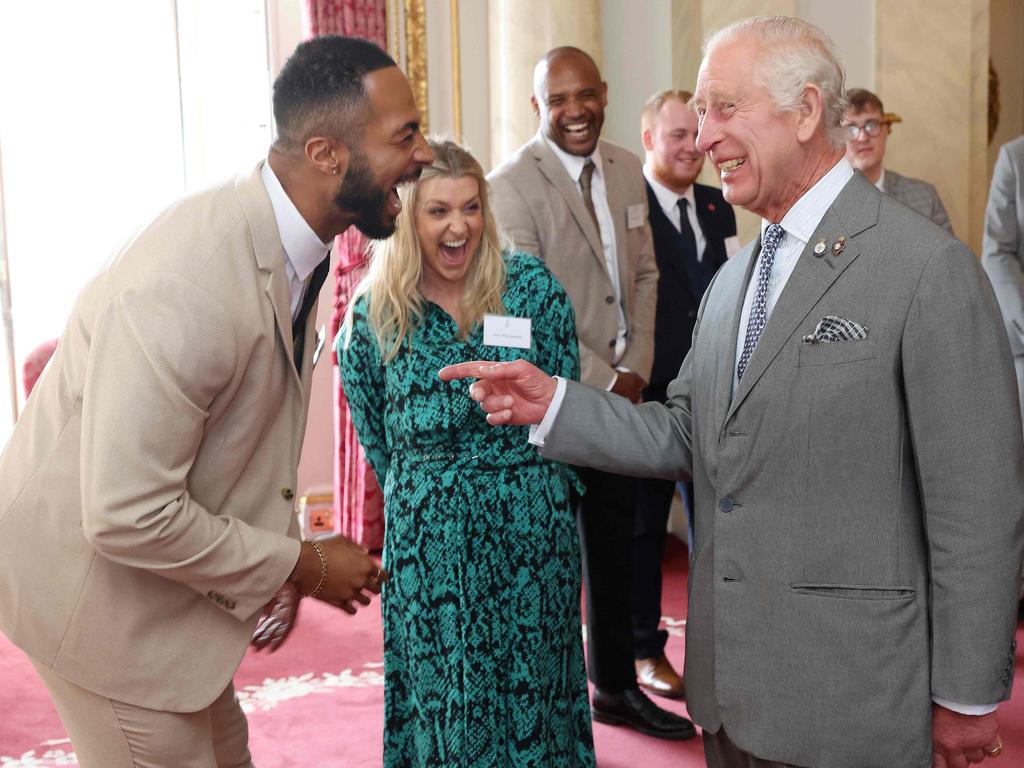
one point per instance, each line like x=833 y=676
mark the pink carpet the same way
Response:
x=317 y=702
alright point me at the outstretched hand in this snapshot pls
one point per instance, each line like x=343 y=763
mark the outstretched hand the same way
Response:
x=511 y=393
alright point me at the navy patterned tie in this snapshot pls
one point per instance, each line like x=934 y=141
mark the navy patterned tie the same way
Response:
x=759 y=307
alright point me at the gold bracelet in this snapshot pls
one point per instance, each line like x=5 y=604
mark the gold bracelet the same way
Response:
x=323 y=570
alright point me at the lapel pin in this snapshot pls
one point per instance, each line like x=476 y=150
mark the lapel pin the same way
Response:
x=819 y=248
x=711 y=207
x=839 y=245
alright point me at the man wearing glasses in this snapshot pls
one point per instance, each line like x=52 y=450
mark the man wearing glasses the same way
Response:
x=868 y=129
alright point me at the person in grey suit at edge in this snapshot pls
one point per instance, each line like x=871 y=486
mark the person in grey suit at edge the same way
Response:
x=853 y=591
x=1003 y=255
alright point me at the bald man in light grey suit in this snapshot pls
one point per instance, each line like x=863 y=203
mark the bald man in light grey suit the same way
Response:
x=850 y=424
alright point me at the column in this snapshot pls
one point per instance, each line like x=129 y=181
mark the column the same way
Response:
x=520 y=32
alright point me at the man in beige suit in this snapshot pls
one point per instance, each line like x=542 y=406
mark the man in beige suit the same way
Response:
x=146 y=493
x=580 y=204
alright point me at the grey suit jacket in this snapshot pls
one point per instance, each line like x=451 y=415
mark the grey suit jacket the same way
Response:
x=918 y=195
x=1003 y=246
x=538 y=205
x=859 y=504
x=145 y=494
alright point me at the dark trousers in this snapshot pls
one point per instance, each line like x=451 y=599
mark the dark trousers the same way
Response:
x=604 y=518
x=720 y=752
x=653 y=502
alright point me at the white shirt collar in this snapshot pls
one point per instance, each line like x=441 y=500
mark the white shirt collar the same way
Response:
x=667 y=199
x=803 y=218
x=881 y=181
x=302 y=247
x=573 y=164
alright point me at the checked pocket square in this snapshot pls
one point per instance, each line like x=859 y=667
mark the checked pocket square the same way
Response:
x=832 y=329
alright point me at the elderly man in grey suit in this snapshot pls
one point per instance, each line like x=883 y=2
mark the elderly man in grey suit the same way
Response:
x=579 y=204
x=852 y=593
x=868 y=130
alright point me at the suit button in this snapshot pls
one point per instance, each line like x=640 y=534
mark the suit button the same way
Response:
x=693 y=313
x=726 y=504
x=287 y=494
x=609 y=299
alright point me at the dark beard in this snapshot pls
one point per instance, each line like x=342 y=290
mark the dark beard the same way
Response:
x=360 y=196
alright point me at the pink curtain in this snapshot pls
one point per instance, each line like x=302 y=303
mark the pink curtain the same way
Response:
x=358 y=501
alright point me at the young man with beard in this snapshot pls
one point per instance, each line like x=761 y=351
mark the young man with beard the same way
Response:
x=694 y=232
x=146 y=510
x=868 y=131
x=578 y=203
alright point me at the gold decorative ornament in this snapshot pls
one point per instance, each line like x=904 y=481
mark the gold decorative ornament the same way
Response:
x=416 y=56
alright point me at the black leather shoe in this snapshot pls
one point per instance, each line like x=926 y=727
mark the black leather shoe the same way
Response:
x=631 y=707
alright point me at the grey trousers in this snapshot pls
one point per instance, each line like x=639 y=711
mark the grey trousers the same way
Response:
x=111 y=734
x=720 y=752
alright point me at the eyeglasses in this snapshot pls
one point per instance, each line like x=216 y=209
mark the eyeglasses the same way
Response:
x=870 y=128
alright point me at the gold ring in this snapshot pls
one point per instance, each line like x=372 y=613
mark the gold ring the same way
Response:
x=995 y=751
x=380 y=571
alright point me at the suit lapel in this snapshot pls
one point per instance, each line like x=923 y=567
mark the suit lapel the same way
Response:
x=553 y=170
x=855 y=210
x=269 y=254
x=714 y=250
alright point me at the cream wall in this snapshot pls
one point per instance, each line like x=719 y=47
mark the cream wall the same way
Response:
x=932 y=69
x=1006 y=31
x=637 y=42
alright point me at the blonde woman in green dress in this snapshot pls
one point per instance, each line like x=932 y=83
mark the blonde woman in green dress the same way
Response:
x=483 y=656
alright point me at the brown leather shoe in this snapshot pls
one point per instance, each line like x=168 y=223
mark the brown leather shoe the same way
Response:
x=657 y=676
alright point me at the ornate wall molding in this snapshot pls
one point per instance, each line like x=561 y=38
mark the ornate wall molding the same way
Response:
x=456 y=71
x=416 y=55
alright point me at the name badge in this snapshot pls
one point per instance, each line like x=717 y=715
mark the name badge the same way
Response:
x=635 y=216
x=504 y=331
x=321 y=336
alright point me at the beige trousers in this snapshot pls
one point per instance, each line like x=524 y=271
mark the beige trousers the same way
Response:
x=111 y=734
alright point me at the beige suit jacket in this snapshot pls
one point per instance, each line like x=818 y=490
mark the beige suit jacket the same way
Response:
x=539 y=206
x=145 y=494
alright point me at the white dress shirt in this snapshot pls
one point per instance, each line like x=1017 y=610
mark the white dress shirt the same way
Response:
x=799 y=224
x=303 y=250
x=881 y=180
x=668 y=201
x=573 y=165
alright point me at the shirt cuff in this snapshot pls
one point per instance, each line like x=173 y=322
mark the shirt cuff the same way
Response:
x=539 y=432
x=965 y=709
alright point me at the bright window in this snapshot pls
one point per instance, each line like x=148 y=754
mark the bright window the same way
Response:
x=109 y=110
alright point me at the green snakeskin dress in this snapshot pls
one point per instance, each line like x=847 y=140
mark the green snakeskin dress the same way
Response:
x=483 y=656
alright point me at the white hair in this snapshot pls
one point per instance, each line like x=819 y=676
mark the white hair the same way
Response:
x=793 y=53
